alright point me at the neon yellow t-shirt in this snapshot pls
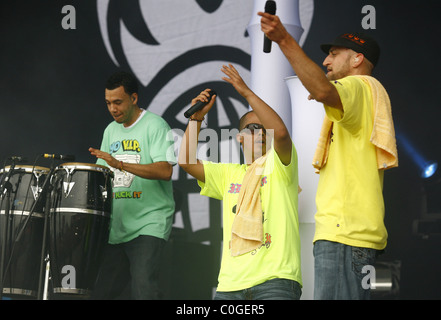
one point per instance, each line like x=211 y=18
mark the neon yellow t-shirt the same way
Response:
x=350 y=205
x=279 y=256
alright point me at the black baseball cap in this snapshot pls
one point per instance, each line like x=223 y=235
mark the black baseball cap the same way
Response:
x=359 y=42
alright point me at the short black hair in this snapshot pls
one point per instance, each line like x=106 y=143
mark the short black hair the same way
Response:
x=125 y=79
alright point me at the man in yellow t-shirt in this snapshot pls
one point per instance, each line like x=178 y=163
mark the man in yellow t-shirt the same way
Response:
x=270 y=267
x=352 y=212
x=350 y=230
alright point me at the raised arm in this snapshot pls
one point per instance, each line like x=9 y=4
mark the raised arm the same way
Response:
x=309 y=73
x=187 y=158
x=269 y=118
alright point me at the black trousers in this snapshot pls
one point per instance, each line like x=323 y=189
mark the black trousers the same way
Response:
x=130 y=270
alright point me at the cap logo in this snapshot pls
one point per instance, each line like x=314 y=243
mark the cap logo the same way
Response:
x=353 y=38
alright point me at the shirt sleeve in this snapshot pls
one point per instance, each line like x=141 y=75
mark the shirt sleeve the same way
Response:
x=162 y=142
x=351 y=91
x=214 y=184
x=274 y=162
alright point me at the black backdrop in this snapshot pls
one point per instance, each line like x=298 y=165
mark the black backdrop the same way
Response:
x=51 y=99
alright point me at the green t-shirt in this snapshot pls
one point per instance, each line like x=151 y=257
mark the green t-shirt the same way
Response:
x=140 y=206
x=350 y=206
x=279 y=256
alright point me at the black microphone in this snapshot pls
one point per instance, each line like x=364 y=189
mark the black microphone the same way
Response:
x=198 y=105
x=17 y=158
x=270 y=7
x=68 y=157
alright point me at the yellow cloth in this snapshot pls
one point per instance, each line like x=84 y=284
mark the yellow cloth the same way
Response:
x=383 y=131
x=247 y=228
x=322 y=149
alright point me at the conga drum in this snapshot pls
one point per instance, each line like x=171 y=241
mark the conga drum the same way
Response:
x=22 y=256
x=79 y=225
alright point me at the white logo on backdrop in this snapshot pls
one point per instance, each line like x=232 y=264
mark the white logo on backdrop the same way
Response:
x=176 y=49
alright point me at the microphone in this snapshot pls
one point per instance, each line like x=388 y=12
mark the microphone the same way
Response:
x=59 y=156
x=270 y=7
x=17 y=158
x=198 y=105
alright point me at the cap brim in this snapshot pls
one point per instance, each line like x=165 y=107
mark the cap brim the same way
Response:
x=326 y=47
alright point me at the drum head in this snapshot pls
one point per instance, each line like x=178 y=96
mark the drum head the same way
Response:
x=83 y=166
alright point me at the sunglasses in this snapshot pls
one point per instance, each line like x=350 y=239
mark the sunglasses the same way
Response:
x=254 y=126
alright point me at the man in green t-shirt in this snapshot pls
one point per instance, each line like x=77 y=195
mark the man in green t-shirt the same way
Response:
x=351 y=160
x=138 y=148
x=261 y=243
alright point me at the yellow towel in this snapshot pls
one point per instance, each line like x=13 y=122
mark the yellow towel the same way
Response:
x=247 y=228
x=321 y=151
x=383 y=131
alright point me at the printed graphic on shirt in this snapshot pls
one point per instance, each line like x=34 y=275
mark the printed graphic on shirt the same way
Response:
x=124 y=178
x=127 y=195
x=235 y=187
x=266 y=244
x=127 y=145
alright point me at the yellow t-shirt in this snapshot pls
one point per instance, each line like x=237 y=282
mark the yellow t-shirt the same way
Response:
x=279 y=256
x=350 y=205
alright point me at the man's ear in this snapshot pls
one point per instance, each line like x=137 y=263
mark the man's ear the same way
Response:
x=357 y=60
x=134 y=98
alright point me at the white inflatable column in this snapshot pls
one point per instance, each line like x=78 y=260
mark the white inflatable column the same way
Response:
x=268 y=74
x=268 y=70
x=307 y=118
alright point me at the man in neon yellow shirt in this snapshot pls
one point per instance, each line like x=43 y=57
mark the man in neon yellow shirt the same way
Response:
x=270 y=268
x=350 y=228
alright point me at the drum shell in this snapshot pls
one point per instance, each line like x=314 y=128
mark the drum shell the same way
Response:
x=79 y=224
x=23 y=256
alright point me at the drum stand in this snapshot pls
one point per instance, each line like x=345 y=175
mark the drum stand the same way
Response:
x=45 y=189
x=5 y=188
x=46 y=279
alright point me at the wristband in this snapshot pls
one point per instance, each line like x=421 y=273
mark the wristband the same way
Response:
x=191 y=119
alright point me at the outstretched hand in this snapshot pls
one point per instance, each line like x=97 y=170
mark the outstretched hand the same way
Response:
x=111 y=161
x=233 y=77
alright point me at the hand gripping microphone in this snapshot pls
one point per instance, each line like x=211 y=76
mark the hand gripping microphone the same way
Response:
x=270 y=7
x=198 y=105
x=59 y=156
